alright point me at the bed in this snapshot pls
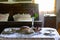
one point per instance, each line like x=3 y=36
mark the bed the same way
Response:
x=12 y=9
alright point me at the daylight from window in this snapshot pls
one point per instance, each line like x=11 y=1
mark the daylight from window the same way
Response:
x=46 y=5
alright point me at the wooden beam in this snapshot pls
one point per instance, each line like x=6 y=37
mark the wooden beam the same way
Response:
x=55 y=6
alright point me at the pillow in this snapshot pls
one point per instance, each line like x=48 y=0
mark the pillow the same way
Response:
x=22 y=17
x=4 y=17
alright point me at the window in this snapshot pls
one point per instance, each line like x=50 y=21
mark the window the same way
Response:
x=46 y=5
x=3 y=0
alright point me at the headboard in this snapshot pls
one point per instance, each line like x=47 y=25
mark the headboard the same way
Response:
x=12 y=9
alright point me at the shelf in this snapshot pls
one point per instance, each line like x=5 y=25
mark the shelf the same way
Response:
x=12 y=2
x=19 y=21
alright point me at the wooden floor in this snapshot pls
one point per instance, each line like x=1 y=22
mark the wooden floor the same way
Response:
x=58 y=28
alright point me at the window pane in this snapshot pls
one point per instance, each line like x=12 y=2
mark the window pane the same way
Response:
x=46 y=5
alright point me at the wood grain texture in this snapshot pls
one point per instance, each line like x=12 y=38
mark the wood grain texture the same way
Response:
x=50 y=21
x=58 y=28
